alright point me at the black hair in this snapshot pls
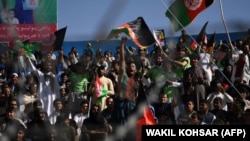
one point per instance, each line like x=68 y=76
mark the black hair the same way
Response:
x=37 y=102
x=85 y=101
x=57 y=100
x=204 y=101
x=218 y=99
x=195 y=56
x=196 y=115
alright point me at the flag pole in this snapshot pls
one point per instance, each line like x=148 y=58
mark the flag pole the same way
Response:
x=90 y=101
x=223 y=19
x=216 y=67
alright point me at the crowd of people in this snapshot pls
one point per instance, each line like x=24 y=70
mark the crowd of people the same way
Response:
x=89 y=96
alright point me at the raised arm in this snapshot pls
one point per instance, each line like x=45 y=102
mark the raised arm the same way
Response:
x=122 y=69
x=122 y=54
x=32 y=66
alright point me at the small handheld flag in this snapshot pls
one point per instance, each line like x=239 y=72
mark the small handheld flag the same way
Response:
x=59 y=34
x=202 y=37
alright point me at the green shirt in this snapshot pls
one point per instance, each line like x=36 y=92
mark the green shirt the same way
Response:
x=79 y=81
x=180 y=70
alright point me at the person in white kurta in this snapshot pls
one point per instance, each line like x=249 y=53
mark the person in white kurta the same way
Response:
x=80 y=117
x=48 y=85
x=205 y=62
x=219 y=92
x=241 y=62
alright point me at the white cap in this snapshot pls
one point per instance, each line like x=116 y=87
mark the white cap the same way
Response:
x=15 y=74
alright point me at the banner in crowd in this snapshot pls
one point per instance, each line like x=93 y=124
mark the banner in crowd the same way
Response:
x=159 y=36
x=27 y=19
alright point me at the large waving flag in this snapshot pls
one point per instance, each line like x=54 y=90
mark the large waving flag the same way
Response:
x=182 y=12
x=54 y=41
x=202 y=37
x=137 y=30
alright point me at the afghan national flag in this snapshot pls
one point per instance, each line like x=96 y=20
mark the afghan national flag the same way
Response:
x=202 y=37
x=147 y=119
x=59 y=34
x=183 y=12
x=137 y=30
x=100 y=91
x=47 y=43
